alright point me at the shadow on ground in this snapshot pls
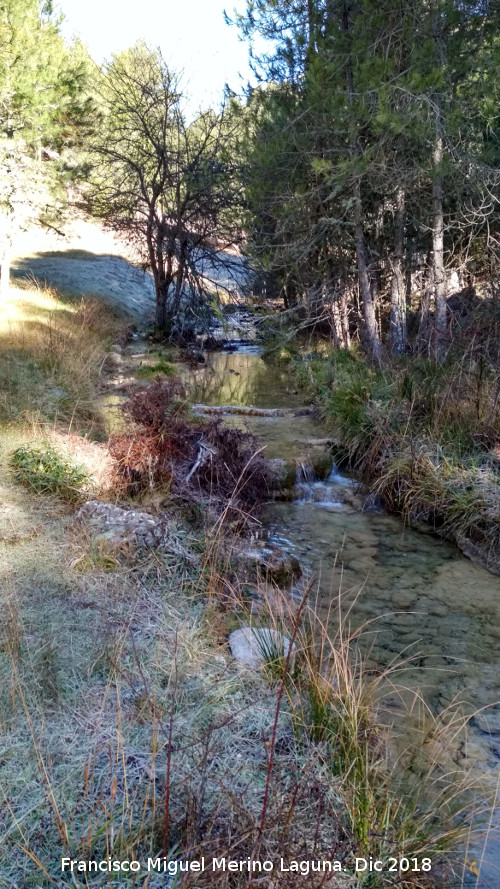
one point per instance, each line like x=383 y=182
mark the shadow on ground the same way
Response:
x=80 y=272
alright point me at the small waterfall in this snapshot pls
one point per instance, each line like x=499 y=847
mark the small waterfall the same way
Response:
x=313 y=490
x=305 y=474
x=335 y=478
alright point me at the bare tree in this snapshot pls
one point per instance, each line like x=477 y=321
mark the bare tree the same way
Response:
x=169 y=187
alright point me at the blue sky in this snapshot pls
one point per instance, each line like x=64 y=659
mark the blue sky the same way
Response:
x=192 y=35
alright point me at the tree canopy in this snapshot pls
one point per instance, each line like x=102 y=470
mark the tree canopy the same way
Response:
x=362 y=173
x=373 y=158
x=44 y=113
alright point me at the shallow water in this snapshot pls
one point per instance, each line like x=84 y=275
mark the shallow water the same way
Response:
x=423 y=606
x=241 y=378
x=245 y=380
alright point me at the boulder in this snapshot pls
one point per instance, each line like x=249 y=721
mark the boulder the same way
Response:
x=478 y=554
x=113 y=360
x=403 y=599
x=322 y=463
x=252 y=646
x=272 y=564
x=117 y=526
x=284 y=471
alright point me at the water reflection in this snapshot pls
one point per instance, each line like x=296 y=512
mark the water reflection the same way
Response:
x=240 y=378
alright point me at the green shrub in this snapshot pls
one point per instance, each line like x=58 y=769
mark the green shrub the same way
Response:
x=161 y=368
x=48 y=472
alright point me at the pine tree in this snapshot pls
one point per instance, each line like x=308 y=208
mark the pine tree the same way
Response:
x=42 y=106
x=386 y=153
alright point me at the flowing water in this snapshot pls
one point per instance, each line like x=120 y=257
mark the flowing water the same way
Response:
x=421 y=603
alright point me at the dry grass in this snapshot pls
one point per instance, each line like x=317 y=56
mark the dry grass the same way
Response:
x=423 y=436
x=133 y=734
x=51 y=358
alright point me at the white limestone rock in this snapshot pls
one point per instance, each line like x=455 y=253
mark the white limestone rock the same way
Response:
x=252 y=646
x=118 y=526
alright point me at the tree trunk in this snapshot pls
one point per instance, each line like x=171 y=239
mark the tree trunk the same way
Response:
x=289 y=291
x=344 y=313
x=161 y=264
x=179 y=280
x=398 y=297
x=438 y=248
x=162 y=318
x=156 y=261
x=408 y=278
x=370 y=336
x=336 y=324
x=423 y=338
x=439 y=344
x=331 y=297
x=369 y=331
x=340 y=319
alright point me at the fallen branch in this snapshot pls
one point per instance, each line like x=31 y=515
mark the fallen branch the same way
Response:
x=251 y=411
x=204 y=454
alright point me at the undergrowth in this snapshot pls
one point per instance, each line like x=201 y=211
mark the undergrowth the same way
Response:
x=47 y=472
x=424 y=436
x=177 y=753
x=161 y=368
x=169 y=449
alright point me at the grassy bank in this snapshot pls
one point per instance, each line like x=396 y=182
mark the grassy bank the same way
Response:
x=128 y=730
x=425 y=437
x=52 y=354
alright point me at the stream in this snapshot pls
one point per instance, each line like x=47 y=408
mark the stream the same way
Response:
x=420 y=603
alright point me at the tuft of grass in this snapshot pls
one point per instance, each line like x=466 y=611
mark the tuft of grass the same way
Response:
x=47 y=472
x=161 y=368
x=96 y=557
x=391 y=800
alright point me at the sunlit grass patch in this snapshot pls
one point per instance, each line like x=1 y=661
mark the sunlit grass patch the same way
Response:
x=47 y=472
x=51 y=357
x=161 y=368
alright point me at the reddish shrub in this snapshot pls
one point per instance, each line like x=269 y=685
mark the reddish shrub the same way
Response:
x=153 y=406
x=235 y=467
x=141 y=464
x=167 y=446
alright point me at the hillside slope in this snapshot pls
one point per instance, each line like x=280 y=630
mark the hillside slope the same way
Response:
x=88 y=260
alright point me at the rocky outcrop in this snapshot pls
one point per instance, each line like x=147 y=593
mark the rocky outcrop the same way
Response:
x=480 y=555
x=284 y=472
